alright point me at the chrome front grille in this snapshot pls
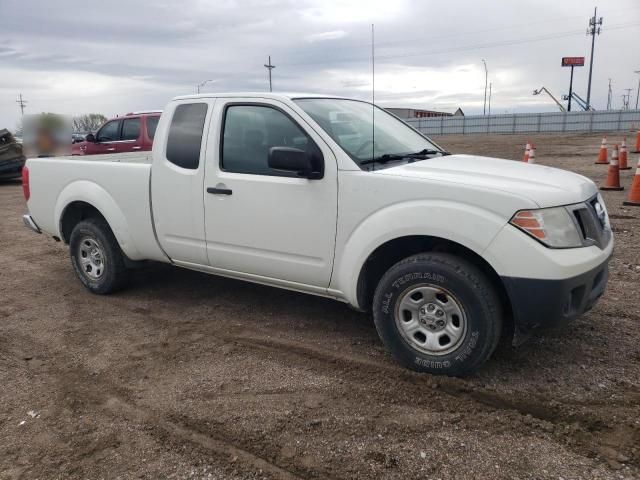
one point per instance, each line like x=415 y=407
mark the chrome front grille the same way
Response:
x=592 y=221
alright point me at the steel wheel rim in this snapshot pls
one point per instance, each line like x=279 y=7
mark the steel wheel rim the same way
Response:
x=91 y=258
x=430 y=319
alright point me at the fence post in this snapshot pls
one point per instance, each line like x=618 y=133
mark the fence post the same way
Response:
x=513 y=124
x=539 y=120
x=591 y=121
x=564 y=121
x=441 y=122
x=619 y=120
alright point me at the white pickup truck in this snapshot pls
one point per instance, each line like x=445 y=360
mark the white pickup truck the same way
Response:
x=338 y=198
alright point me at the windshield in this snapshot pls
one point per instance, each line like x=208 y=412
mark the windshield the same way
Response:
x=350 y=124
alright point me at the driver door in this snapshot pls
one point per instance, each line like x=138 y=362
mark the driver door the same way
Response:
x=108 y=137
x=261 y=222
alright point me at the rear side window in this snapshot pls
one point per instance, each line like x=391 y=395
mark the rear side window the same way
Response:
x=130 y=128
x=185 y=135
x=152 y=124
x=110 y=132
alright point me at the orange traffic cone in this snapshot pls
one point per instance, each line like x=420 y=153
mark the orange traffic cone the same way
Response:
x=526 y=152
x=603 y=157
x=532 y=154
x=637 y=150
x=613 y=175
x=634 y=194
x=623 y=155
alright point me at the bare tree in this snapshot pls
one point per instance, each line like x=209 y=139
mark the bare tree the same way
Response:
x=89 y=122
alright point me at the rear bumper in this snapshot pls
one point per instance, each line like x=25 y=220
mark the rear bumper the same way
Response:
x=11 y=168
x=28 y=221
x=550 y=303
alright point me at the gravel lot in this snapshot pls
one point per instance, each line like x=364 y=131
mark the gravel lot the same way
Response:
x=185 y=375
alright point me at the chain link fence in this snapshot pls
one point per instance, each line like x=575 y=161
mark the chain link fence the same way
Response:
x=560 y=122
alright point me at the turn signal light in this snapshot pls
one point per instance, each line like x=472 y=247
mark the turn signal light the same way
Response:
x=528 y=222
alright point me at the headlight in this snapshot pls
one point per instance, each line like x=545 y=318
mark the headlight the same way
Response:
x=553 y=227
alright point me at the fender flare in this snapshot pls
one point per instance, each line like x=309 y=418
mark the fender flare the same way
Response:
x=462 y=223
x=96 y=196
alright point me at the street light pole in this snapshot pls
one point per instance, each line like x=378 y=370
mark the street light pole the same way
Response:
x=486 y=79
x=202 y=84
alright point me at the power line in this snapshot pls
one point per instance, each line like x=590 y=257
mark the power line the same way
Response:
x=465 y=47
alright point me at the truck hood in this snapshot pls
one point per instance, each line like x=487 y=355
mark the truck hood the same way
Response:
x=546 y=186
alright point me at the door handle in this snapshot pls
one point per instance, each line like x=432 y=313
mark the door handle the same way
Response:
x=219 y=191
x=111 y=149
x=136 y=147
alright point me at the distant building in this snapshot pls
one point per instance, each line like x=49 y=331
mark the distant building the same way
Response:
x=418 y=113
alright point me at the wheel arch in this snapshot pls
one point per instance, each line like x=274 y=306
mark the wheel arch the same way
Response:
x=389 y=253
x=84 y=199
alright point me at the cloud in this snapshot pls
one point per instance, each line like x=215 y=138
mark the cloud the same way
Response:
x=321 y=37
x=125 y=55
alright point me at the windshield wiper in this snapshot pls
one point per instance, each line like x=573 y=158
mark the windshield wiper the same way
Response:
x=388 y=157
x=427 y=151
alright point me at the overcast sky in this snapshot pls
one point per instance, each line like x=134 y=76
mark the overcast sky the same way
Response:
x=123 y=55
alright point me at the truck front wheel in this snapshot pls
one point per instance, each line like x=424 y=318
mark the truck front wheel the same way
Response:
x=437 y=313
x=96 y=256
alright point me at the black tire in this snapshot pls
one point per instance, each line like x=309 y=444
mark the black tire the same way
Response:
x=470 y=290
x=111 y=273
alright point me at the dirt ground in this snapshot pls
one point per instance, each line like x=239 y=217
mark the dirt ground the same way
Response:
x=185 y=375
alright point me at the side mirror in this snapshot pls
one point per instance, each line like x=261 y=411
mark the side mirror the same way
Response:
x=291 y=159
x=90 y=138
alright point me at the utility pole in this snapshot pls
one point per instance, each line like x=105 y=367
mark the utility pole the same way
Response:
x=593 y=29
x=638 y=91
x=609 y=96
x=490 y=84
x=22 y=103
x=486 y=78
x=628 y=97
x=270 y=67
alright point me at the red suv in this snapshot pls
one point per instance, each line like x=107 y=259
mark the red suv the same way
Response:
x=133 y=132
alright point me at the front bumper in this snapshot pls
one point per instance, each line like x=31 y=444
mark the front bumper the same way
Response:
x=540 y=303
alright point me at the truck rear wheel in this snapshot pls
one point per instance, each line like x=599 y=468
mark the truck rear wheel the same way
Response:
x=437 y=313
x=96 y=256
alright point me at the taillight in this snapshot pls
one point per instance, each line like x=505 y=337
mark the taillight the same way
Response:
x=25 y=183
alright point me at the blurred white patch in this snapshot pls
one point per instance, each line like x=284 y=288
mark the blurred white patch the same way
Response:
x=321 y=37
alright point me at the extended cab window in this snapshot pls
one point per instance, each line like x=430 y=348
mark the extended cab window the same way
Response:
x=130 y=128
x=251 y=130
x=110 y=132
x=152 y=124
x=185 y=135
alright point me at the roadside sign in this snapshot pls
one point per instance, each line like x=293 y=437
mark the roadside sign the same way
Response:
x=573 y=61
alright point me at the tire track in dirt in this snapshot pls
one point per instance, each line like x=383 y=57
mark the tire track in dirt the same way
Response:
x=73 y=377
x=597 y=435
x=586 y=433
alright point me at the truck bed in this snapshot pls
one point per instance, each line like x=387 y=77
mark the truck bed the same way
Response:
x=116 y=184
